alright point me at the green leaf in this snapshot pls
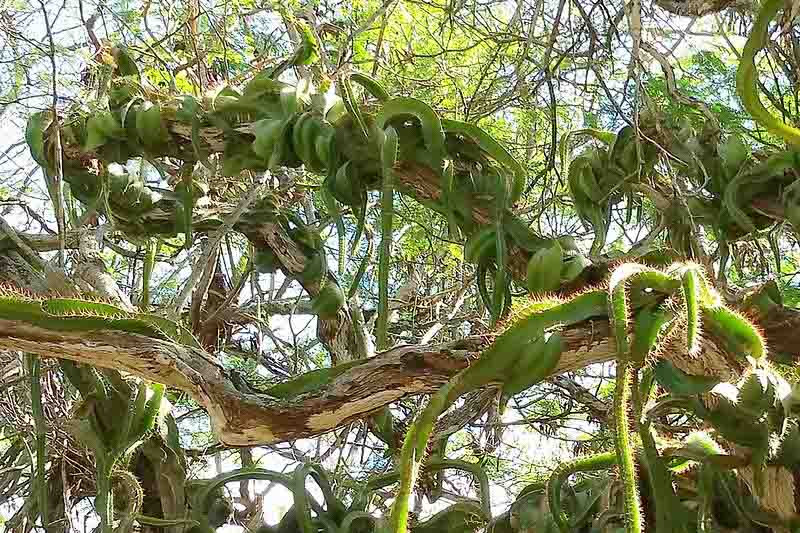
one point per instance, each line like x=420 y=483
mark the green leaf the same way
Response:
x=149 y=126
x=544 y=269
x=101 y=128
x=677 y=382
x=267 y=134
x=34 y=136
x=307 y=52
x=733 y=153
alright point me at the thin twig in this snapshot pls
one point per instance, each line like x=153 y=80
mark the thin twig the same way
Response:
x=33 y=257
x=59 y=176
x=672 y=86
x=213 y=242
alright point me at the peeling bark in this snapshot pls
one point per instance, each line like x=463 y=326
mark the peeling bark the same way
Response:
x=242 y=418
x=246 y=419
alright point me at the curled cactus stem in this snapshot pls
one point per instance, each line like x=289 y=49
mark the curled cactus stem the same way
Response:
x=559 y=476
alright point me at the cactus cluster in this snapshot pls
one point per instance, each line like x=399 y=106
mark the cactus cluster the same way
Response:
x=72 y=314
x=647 y=307
x=266 y=124
x=113 y=419
x=724 y=175
x=210 y=509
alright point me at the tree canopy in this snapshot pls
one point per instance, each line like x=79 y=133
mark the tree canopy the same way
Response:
x=469 y=266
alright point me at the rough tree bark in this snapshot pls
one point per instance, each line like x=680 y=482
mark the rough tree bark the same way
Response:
x=246 y=418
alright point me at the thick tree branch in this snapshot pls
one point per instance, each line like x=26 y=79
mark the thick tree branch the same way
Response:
x=245 y=418
x=413 y=179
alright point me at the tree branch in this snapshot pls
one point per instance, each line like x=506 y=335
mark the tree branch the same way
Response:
x=244 y=418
